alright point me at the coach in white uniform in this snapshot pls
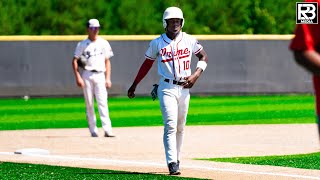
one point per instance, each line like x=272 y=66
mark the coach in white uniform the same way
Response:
x=95 y=53
x=173 y=51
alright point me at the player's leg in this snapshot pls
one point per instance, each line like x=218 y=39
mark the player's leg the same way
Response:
x=182 y=118
x=169 y=110
x=101 y=95
x=316 y=85
x=89 y=100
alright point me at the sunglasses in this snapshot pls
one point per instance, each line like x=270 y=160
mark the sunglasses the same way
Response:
x=94 y=28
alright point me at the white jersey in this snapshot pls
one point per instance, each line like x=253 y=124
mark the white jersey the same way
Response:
x=96 y=53
x=174 y=56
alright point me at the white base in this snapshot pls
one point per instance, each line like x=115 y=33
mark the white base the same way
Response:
x=31 y=151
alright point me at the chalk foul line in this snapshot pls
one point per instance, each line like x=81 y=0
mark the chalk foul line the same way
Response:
x=148 y=164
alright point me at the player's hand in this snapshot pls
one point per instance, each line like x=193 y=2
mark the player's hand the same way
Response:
x=190 y=81
x=80 y=82
x=108 y=84
x=131 y=91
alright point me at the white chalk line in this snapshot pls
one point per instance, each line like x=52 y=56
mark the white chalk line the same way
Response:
x=134 y=163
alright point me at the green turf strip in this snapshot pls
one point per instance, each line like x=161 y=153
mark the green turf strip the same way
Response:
x=304 y=161
x=123 y=111
x=36 y=171
x=41 y=113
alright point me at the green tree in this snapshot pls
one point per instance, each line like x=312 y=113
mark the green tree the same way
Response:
x=61 y=17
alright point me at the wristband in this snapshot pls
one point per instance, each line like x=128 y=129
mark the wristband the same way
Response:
x=202 y=65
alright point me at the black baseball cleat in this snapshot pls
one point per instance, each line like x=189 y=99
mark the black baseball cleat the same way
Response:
x=109 y=134
x=94 y=135
x=174 y=168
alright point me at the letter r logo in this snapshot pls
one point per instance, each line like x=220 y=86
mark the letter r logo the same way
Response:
x=307 y=13
x=309 y=8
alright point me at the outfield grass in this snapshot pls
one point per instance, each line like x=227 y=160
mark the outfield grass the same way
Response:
x=304 y=161
x=36 y=171
x=41 y=113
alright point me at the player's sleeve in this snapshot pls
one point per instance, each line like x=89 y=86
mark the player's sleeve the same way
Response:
x=196 y=46
x=78 y=50
x=108 y=50
x=152 y=51
x=303 y=39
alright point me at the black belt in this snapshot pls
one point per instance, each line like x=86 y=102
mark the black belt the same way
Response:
x=94 y=71
x=174 y=82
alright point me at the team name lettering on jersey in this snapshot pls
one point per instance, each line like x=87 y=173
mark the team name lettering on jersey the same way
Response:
x=173 y=56
x=179 y=54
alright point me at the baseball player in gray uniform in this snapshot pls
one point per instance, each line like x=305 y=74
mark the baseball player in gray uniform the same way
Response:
x=173 y=51
x=95 y=54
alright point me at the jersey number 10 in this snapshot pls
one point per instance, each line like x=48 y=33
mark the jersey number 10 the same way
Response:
x=186 y=65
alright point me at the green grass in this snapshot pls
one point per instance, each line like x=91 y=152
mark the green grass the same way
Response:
x=304 y=161
x=41 y=113
x=35 y=171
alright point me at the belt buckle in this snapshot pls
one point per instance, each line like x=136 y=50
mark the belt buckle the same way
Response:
x=173 y=82
x=179 y=83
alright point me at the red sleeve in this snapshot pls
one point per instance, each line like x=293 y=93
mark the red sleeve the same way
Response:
x=305 y=37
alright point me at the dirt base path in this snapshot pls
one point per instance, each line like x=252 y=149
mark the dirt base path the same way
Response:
x=141 y=150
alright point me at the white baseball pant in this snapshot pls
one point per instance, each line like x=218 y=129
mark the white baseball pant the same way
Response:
x=95 y=87
x=174 y=104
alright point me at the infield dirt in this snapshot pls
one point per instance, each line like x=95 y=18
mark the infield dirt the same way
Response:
x=140 y=149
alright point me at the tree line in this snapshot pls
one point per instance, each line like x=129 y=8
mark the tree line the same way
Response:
x=130 y=17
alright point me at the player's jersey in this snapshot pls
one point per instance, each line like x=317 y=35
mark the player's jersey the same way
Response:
x=96 y=53
x=174 y=56
x=307 y=37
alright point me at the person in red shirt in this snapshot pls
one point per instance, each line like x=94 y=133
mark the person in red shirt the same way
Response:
x=306 y=49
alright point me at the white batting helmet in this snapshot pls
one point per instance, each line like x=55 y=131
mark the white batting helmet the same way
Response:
x=172 y=12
